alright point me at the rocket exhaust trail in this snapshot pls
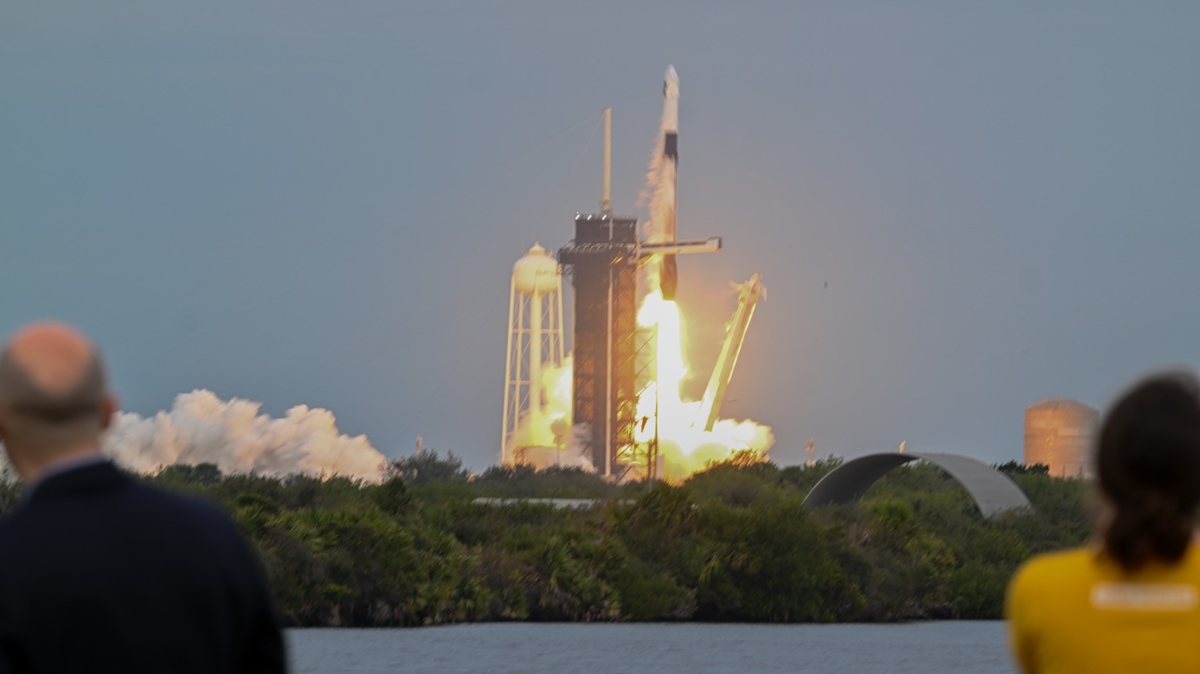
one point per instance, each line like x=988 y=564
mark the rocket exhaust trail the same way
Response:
x=669 y=177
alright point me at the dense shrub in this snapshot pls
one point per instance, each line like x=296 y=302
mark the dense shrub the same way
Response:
x=734 y=542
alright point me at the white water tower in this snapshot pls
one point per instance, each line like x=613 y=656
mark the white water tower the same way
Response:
x=534 y=343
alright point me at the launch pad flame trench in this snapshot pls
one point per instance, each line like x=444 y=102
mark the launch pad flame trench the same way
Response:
x=622 y=401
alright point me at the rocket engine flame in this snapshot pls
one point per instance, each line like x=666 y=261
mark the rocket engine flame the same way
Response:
x=684 y=447
x=234 y=435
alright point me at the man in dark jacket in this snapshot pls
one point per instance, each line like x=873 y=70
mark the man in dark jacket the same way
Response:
x=99 y=572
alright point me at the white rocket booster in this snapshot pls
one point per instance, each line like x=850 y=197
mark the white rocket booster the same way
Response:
x=669 y=177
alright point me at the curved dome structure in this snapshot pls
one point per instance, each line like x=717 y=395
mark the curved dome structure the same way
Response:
x=992 y=490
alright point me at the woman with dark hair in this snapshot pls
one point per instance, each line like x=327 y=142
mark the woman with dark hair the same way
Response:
x=1130 y=602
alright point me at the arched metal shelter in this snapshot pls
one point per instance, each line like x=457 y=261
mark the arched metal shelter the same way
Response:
x=992 y=490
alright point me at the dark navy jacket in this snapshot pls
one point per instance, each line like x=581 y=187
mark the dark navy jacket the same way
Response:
x=101 y=573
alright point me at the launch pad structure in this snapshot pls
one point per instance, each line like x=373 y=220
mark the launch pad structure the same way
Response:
x=609 y=351
x=614 y=360
x=603 y=264
x=610 y=354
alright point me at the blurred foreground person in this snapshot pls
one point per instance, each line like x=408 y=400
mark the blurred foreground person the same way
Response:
x=1130 y=603
x=99 y=572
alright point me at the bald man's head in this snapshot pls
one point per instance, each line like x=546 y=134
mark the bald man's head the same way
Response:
x=53 y=393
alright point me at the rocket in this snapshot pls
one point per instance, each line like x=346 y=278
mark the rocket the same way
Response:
x=669 y=177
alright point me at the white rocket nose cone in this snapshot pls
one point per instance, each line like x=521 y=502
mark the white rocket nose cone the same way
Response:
x=672 y=75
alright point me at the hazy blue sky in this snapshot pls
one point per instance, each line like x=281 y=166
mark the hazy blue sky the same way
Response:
x=315 y=202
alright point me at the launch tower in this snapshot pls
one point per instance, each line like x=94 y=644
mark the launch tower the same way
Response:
x=617 y=270
x=603 y=261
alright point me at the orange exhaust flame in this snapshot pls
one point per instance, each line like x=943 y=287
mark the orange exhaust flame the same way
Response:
x=684 y=446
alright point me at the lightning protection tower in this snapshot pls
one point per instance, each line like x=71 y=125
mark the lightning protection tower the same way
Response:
x=534 y=344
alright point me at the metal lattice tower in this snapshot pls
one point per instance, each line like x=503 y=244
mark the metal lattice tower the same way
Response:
x=609 y=350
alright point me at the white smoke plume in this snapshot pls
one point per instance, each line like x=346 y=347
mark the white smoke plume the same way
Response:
x=544 y=435
x=658 y=194
x=547 y=422
x=234 y=435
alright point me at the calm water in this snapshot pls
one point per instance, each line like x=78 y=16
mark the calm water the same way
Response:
x=976 y=647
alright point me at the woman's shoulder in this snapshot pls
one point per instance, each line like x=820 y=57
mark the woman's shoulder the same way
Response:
x=1052 y=568
x=1054 y=574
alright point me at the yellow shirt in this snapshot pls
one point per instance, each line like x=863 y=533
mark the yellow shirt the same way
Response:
x=1076 y=612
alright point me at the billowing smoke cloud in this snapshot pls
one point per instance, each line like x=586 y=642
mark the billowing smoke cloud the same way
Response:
x=544 y=435
x=658 y=188
x=547 y=422
x=234 y=435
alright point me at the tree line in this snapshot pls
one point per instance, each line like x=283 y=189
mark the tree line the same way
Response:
x=732 y=543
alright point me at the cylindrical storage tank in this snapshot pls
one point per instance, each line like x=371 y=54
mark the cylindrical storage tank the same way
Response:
x=535 y=342
x=537 y=272
x=1061 y=434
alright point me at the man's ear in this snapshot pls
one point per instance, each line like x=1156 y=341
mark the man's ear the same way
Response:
x=108 y=411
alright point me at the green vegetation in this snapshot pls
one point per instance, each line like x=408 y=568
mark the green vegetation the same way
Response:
x=734 y=543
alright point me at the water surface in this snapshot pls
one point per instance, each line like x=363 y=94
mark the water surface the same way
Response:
x=682 y=648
